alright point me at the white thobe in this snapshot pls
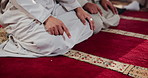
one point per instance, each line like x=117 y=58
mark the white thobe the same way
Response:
x=27 y=35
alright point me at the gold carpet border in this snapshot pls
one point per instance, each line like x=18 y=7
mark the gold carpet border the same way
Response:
x=126 y=33
x=133 y=18
x=127 y=69
x=3 y=35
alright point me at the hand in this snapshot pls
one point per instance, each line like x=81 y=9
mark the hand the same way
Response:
x=107 y=4
x=56 y=26
x=92 y=8
x=84 y=16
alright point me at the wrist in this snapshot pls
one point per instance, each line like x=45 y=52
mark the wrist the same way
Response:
x=78 y=9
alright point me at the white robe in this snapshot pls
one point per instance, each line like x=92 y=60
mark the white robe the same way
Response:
x=27 y=35
x=144 y=3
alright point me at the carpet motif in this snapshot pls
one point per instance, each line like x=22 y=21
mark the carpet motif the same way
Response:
x=3 y=35
x=126 y=33
x=127 y=69
x=134 y=18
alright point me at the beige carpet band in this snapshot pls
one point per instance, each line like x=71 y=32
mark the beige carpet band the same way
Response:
x=3 y=35
x=127 y=69
x=134 y=18
x=126 y=33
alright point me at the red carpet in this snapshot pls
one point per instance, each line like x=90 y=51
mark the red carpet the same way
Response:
x=133 y=26
x=53 y=67
x=138 y=14
x=0 y=26
x=121 y=48
x=117 y=47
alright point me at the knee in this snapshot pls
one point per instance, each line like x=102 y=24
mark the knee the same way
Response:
x=52 y=44
x=117 y=20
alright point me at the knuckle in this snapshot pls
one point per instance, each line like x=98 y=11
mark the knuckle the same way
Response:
x=49 y=28
x=61 y=33
x=83 y=21
x=61 y=23
x=57 y=26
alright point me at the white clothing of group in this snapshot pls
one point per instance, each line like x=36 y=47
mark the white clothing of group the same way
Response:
x=144 y=3
x=23 y=21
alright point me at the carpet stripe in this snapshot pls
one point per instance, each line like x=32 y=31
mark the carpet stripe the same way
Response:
x=127 y=69
x=126 y=33
x=133 y=18
x=3 y=36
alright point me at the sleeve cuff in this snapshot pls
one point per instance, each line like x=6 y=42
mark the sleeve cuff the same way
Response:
x=71 y=6
x=82 y=2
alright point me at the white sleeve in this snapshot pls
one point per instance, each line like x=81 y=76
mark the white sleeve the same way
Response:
x=35 y=9
x=69 y=4
x=82 y=2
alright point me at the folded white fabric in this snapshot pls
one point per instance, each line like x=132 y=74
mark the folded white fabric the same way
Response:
x=135 y=6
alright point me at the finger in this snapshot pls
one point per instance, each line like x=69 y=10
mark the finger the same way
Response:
x=51 y=31
x=99 y=11
x=95 y=11
x=93 y=26
x=116 y=10
x=56 y=31
x=83 y=20
x=113 y=9
x=91 y=23
x=106 y=7
x=61 y=31
x=66 y=31
x=91 y=11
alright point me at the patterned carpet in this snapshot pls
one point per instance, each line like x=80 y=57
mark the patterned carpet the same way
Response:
x=117 y=52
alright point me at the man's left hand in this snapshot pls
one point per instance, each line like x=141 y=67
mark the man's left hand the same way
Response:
x=108 y=5
x=92 y=8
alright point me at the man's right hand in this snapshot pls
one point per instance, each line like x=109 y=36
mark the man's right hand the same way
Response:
x=92 y=8
x=56 y=27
